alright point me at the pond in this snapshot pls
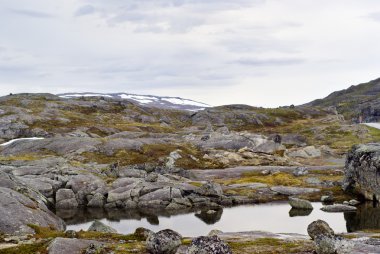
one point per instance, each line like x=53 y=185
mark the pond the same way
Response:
x=273 y=217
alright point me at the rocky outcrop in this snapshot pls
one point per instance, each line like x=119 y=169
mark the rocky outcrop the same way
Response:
x=163 y=242
x=362 y=170
x=21 y=206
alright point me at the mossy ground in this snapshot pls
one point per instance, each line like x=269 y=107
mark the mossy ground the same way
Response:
x=271 y=245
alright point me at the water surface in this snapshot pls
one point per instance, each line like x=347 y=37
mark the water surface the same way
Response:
x=272 y=217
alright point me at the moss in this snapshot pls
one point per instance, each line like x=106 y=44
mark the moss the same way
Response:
x=40 y=247
x=280 y=178
x=45 y=232
x=271 y=245
x=108 y=236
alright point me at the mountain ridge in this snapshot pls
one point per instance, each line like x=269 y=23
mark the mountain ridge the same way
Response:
x=165 y=102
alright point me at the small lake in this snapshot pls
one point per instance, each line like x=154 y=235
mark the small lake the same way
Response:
x=273 y=217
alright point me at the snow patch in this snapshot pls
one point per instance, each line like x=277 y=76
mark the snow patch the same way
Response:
x=373 y=125
x=184 y=102
x=17 y=139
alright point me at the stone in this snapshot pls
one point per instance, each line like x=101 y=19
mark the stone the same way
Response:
x=361 y=170
x=98 y=226
x=215 y=232
x=70 y=246
x=319 y=227
x=71 y=234
x=97 y=200
x=298 y=203
x=163 y=242
x=208 y=245
x=292 y=191
x=337 y=208
x=18 y=211
x=327 y=199
x=353 y=202
x=143 y=232
x=65 y=199
x=300 y=171
x=211 y=189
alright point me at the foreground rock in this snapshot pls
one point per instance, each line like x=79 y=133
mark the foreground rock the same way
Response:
x=98 y=226
x=338 y=208
x=21 y=206
x=70 y=246
x=318 y=228
x=208 y=245
x=298 y=203
x=361 y=170
x=163 y=242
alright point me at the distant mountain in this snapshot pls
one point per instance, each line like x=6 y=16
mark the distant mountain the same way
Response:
x=360 y=102
x=146 y=100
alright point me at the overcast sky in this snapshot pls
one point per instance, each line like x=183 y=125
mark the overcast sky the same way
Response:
x=257 y=52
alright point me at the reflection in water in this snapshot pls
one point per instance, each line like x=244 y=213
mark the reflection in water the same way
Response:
x=366 y=217
x=273 y=217
x=299 y=212
x=210 y=216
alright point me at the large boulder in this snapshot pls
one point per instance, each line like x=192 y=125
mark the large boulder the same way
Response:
x=318 y=228
x=18 y=211
x=21 y=206
x=362 y=170
x=208 y=245
x=70 y=246
x=298 y=203
x=163 y=242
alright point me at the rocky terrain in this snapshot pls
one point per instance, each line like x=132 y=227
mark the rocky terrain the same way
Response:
x=359 y=103
x=60 y=155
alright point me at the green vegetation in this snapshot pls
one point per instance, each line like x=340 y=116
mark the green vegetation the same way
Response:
x=38 y=247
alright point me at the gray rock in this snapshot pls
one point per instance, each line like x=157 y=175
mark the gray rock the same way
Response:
x=319 y=227
x=143 y=232
x=211 y=189
x=300 y=171
x=97 y=200
x=165 y=194
x=337 y=208
x=353 y=202
x=361 y=170
x=99 y=226
x=18 y=211
x=327 y=199
x=300 y=203
x=65 y=199
x=70 y=246
x=325 y=245
x=208 y=245
x=292 y=191
x=163 y=242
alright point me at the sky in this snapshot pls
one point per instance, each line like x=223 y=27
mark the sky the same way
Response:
x=257 y=52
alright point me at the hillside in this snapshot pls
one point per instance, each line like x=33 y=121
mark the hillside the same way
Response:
x=360 y=101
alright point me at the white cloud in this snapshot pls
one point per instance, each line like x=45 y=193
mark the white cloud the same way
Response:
x=245 y=51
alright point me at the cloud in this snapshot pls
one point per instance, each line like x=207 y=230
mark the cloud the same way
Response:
x=31 y=13
x=219 y=51
x=270 y=62
x=85 y=10
x=375 y=16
